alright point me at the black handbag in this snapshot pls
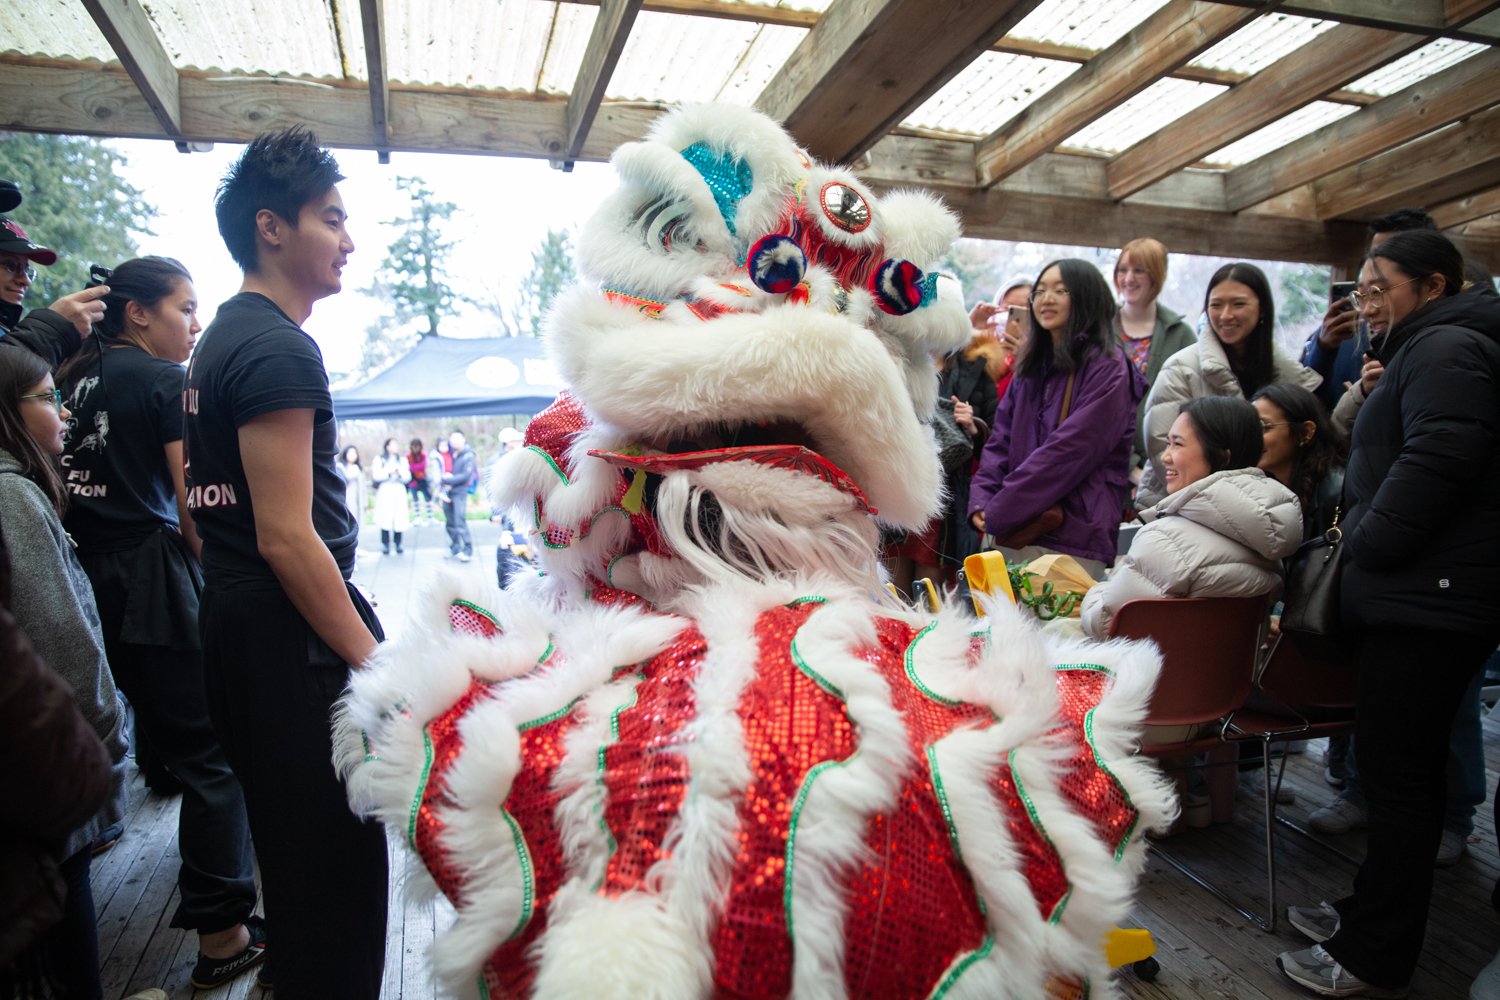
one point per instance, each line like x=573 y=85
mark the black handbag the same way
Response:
x=1310 y=607
x=955 y=448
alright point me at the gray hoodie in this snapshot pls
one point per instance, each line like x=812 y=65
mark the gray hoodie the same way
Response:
x=54 y=606
x=1223 y=536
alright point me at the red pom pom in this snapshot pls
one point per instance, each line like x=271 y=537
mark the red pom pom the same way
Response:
x=897 y=286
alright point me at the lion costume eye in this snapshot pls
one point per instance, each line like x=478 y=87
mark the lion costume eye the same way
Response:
x=845 y=207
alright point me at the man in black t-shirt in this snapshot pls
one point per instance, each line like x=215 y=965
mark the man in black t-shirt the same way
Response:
x=281 y=626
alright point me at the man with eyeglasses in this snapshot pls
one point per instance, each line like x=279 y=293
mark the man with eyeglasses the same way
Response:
x=52 y=333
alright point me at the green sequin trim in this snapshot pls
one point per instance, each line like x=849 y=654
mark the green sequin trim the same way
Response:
x=364 y=739
x=985 y=947
x=806 y=600
x=459 y=602
x=614 y=737
x=484 y=991
x=547 y=655
x=911 y=670
x=552 y=462
x=1036 y=821
x=528 y=875
x=549 y=717
x=791 y=837
x=416 y=802
x=612 y=508
x=817 y=678
x=1088 y=735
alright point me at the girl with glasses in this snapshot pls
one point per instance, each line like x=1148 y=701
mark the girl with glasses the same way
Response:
x=1421 y=568
x=1056 y=468
x=54 y=607
x=1235 y=355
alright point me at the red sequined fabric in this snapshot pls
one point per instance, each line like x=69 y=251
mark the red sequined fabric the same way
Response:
x=1040 y=864
x=913 y=909
x=533 y=804
x=429 y=828
x=645 y=770
x=1097 y=794
x=554 y=429
x=472 y=620
x=790 y=726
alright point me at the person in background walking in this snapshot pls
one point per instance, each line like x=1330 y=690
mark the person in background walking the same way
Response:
x=456 y=482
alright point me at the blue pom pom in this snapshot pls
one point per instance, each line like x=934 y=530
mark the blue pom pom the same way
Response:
x=897 y=286
x=776 y=264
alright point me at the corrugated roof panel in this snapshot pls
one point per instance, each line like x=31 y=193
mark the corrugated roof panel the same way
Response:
x=283 y=38
x=674 y=57
x=1280 y=132
x=1153 y=109
x=987 y=92
x=566 y=49
x=1262 y=42
x=57 y=30
x=1418 y=65
x=1086 y=23
x=768 y=52
x=499 y=46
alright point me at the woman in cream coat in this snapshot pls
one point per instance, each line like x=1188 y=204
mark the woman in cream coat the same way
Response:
x=1236 y=355
x=1223 y=528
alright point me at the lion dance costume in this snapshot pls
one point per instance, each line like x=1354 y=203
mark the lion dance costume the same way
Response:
x=703 y=753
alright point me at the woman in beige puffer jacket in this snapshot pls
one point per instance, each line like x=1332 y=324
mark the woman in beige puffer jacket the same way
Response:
x=1223 y=528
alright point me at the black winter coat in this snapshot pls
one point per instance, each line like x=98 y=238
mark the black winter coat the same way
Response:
x=42 y=332
x=1422 y=491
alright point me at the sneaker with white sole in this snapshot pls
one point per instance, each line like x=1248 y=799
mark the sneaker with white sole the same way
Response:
x=1450 y=849
x=1339 y=816
x=1317 y=923
x=1317 y=970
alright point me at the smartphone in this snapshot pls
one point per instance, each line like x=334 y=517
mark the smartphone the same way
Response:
x=1021 y=316
x=99 y=275
x=1339 y=292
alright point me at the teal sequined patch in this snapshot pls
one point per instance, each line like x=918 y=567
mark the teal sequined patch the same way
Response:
x=728 y=178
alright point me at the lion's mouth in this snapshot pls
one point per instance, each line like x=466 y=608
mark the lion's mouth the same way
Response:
x=782 y=444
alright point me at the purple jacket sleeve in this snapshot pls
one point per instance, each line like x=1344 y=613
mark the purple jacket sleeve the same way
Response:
x=1102 y=404
x=994 y=461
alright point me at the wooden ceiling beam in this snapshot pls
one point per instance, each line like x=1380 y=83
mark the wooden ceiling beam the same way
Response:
x=1334 y=58
x=1463 y=19
x=1452 y=163
x=1465 y=210
x=611 y=29
x=372 y=20
x=1429 y=104
x=128 y=29
x=867 y=64
x=1157 y=46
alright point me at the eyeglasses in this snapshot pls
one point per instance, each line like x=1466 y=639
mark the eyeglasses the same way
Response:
x=1060 y=292
x=1266 y=425
x=1375 y=295
x=16 y=268
x=55 y=395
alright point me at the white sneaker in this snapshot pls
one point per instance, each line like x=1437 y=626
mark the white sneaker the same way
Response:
x=1450 y=849
x=1339 y=816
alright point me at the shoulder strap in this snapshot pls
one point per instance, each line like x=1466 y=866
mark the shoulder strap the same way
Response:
x=1067 y=398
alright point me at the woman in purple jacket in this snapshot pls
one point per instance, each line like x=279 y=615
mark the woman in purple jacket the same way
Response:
x=1040 y=454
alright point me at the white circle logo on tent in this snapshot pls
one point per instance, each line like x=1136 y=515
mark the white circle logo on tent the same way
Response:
x=493 y=373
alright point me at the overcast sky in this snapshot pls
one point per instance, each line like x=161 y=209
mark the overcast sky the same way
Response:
x=505 y=207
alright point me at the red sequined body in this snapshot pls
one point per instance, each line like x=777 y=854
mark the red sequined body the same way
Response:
x=911 y=907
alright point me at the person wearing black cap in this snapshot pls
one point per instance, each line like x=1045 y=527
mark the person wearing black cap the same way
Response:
x=53 y=333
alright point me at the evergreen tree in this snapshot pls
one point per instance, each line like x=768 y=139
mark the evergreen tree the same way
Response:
x=76 y=203
x=412 y=277
x=551 y=272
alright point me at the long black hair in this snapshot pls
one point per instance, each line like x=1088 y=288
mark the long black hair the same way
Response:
x=1255 y=366
x=1090 y=326
x=1317 y=456
x=1228 y=429
x=19 y=371
x=146 y=280
x=1420 y=254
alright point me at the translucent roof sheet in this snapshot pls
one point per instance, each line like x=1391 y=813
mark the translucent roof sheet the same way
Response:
x=233 y=38
x=1414 y=66
x=1282 y=131
x=673 y=57
x=57 y=30
x=1262 y=42
x=1149 y=111
x=507 y=46
x=987 y=92
x=1089 y=24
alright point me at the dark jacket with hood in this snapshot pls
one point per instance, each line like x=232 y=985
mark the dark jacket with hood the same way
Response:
x=43 y=332
x=1422 y=490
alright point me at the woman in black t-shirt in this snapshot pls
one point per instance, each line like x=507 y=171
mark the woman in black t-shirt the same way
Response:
x=127 y=512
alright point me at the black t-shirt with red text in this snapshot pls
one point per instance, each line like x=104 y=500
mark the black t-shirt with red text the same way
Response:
x=254 y=360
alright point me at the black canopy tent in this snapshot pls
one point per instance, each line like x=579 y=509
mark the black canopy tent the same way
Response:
x=448 y=376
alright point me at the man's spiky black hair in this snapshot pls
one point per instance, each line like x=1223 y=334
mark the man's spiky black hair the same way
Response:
x=280 y=171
